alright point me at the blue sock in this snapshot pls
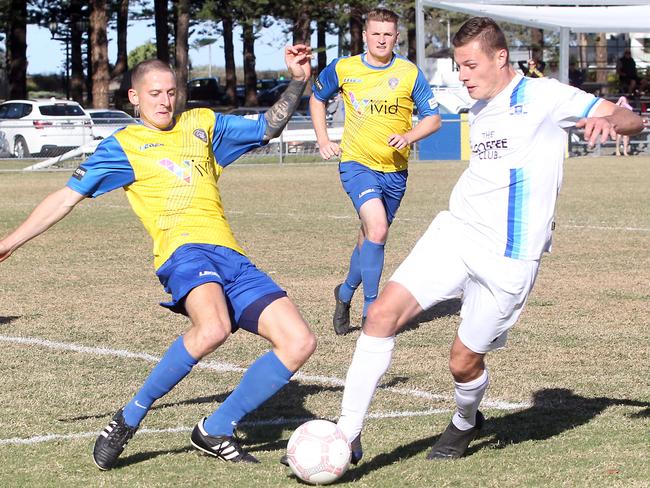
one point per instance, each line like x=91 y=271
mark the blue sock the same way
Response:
x=372 y=264
x=261 y=381
x=353 y=279
x=173 y=367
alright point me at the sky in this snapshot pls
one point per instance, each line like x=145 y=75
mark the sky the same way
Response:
x=267 y=48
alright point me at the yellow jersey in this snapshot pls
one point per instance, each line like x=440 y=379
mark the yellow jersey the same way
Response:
x=378 y=101
x=170 y=176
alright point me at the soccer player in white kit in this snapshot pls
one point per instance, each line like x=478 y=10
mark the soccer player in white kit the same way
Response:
x=487 y=246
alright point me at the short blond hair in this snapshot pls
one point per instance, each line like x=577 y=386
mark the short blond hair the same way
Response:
x=141 y=69
x=382 y=15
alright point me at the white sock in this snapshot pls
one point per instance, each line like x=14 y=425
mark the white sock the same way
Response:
x=468 y=397
x=370 y=361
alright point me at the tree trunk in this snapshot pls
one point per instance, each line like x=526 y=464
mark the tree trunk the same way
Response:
x=356 y=28
x=250 y=77
x=182 y=33
x=229 y=55
x=410 y=34
x=162 y=30
x=16 y=44
x=89 y=68
x=321 y=42
x=121 y=63
x=99 y=52
x=601 y=58
x=537 y=44
x=76 y=63
x=301 y=26
x=583 y=49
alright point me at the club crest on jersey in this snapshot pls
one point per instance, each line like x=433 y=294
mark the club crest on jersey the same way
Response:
x=519 y=109
x=183 y=173
x=201 y=134
x=392 y=83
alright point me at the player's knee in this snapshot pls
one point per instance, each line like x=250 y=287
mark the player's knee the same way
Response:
x=377 y=233
x=465 y=369
x=210 y=338
x=381 y=320
x=298 y=347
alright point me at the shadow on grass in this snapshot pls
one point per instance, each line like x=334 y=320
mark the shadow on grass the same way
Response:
x=438 y=311
x=553 y=411
x=8 y=319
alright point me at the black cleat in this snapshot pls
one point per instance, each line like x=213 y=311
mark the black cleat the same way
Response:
x=224 y=447
x=112 y=441
x=357 y=450
x=454 y=442
x=355 y=457
x=341 y=318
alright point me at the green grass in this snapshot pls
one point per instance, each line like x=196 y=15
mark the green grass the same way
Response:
x=578 y=357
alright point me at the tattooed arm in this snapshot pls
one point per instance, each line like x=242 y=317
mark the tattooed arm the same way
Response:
x=297 y=58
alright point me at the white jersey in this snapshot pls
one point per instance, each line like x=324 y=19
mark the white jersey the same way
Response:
x=506 y=197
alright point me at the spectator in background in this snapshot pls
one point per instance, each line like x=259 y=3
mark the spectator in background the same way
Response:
x=622 y=102
x=533 y=68
x=576 y=75
x=626 y=70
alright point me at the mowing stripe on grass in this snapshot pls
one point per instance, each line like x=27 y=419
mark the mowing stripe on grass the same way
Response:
x=231 y=368
x=38 y=439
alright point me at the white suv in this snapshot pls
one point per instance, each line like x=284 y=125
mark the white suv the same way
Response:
x=42 y=127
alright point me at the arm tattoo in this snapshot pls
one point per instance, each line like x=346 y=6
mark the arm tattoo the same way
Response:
x=282 y=110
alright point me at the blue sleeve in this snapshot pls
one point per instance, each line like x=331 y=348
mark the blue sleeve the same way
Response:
x=327 y=83
x=105 y=170
x=235 y=135
x=423 y=97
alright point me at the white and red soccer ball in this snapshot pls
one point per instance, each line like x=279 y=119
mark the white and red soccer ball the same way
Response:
x=318 y=452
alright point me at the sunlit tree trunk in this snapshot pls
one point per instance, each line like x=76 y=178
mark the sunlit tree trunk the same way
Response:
x=182 y=33
x=99 y=52
x=229 y=55
x=121 y=63
x=16 y=44
x=250 y=77
x=601 y=58
x=162 y=30
x=356 y=29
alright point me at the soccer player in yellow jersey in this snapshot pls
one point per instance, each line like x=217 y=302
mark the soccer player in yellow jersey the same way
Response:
x=380 y=90
x=169 y=167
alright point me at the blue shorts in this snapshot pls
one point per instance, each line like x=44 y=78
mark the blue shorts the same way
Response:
x=247 y=289
x=362 y=184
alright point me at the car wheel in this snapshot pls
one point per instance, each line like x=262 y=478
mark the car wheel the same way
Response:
x=20 y=148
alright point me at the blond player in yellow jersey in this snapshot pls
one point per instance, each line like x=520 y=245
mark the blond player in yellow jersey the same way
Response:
x=169 y=167
x=380 y=90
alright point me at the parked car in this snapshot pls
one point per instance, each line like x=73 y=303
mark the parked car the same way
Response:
x=205 y=92
x=42 y=127
x=107 y=120
x=270 y=95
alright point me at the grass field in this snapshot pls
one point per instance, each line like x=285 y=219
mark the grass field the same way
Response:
x=569 y=401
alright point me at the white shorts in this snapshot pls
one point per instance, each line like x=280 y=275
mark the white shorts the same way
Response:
x=445 y=263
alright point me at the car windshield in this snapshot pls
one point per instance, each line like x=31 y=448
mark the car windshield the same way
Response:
x=61 y=109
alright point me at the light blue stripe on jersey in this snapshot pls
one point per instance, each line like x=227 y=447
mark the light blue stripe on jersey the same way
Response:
x=518 y=95
x=588 y=109
x=517 y=213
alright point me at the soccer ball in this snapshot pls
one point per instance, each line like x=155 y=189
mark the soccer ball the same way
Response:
x=318 y=452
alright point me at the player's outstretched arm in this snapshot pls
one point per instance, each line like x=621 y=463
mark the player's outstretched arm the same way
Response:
x=425 y=127
x=298 y=60
x=47 y=213
x=318 y=111
x=609 y=120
